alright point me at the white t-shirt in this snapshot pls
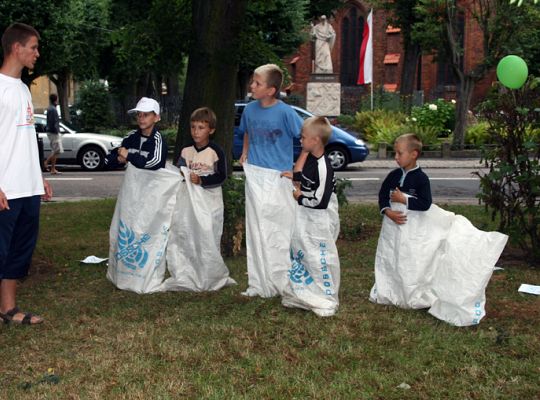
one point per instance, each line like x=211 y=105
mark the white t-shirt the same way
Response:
x=20 y=172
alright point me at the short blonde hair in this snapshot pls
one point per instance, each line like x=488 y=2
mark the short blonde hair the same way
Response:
x=204 y=114
x=319 y=126
x=413 y=142
x=273 y=75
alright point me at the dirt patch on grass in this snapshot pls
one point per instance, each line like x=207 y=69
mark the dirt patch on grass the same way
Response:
x=512 y=256
x=510 y=309
x=41 y=269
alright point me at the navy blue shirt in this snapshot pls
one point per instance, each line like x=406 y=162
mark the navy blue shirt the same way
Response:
x=145 y=152
x=414 y=182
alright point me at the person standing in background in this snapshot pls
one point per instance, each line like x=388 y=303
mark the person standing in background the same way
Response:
x=53 y=133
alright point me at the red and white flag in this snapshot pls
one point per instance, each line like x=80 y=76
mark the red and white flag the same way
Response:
x=365 y=73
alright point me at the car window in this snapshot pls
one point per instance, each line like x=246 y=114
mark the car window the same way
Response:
x=238 y=115
x=301 y=114
x=40 y=125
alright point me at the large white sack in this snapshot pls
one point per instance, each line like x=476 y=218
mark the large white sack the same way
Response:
x=193 y=253
x=463 y=273
x=437 y=259
x=270 y=210
x=140 y=229
x=314 y=275
x=407 y=257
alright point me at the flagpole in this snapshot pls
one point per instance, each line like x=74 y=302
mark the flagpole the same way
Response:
x=372 y=62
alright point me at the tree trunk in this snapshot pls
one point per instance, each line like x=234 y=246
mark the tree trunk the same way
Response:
x=466 y=87
x=410 y=63
x=61 y=81
x=212 y=69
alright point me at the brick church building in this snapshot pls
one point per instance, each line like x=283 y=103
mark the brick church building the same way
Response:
x=435 y=80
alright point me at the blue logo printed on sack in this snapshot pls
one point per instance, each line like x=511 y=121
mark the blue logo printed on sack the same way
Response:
x=327 y=278
x=298 y=272
x=477 y=312
x=132 y=252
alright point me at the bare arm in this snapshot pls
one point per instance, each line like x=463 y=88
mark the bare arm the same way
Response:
x=245 y=148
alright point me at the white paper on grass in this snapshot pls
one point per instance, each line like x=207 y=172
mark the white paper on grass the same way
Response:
x=193 y=250
x=93 y=260
x=530 y=289
x=270 y=213
x=314 y=274
x=140 y=229
x=438 y=260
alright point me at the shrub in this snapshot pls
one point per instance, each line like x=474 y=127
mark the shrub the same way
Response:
x=341 y=186
x=478 y=134
x=379 y=125
x=439 y=114
x=511 y=188
x=427 y=134
x=346 y=121
x=94 y=103
x=234 y=202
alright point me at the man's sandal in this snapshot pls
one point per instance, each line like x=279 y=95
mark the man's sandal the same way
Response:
x=27 y=319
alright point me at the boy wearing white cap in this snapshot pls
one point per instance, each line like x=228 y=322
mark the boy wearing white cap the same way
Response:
x=144 y=147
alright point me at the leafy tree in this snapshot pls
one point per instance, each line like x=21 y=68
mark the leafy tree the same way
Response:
x=149 y=41
x=272 y=30
x=511 y=188
x=438 y=31
x=75 y=37
x=70 y=38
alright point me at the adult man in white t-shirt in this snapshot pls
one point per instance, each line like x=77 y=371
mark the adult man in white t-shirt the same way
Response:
x=21 y=183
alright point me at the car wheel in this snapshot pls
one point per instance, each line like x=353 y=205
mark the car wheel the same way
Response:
x=92 y=158
x=338 y=157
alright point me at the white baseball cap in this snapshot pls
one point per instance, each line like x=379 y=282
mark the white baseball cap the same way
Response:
x=146 y=104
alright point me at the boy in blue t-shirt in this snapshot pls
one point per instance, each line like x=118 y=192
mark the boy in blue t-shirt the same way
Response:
x=269 y=127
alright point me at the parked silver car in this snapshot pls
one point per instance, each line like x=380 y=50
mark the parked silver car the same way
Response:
x=86 y=149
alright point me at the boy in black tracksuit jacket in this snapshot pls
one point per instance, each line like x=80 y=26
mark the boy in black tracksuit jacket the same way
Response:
x=408 y=184
x=144 y=147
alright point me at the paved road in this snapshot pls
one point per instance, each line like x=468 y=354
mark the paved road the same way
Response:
x=451 y=181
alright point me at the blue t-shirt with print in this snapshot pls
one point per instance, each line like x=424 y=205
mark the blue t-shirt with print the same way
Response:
x=271 y=131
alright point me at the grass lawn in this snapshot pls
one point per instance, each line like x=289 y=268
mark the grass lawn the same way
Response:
x=102 y=343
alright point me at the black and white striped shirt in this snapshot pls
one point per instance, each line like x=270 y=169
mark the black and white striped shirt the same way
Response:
x=317 y=182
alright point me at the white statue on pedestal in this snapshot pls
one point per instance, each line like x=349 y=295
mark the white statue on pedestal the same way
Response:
x=324 y=36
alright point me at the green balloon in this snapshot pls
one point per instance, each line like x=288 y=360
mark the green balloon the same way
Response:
x=512 y=72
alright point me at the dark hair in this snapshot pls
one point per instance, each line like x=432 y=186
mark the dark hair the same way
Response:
x=53 y=97
x=17 y=33
x=204 y=114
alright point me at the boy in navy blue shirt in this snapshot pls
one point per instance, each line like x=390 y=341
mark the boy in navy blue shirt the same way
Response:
x=144 y=147
x=408 y=184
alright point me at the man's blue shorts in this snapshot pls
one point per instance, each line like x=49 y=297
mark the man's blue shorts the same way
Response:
x=19 y=228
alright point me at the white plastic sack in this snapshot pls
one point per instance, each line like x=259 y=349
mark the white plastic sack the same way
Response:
x=438 y=260
x=193 y=252
x=314 y=276
x=406 y=257
x=140 y=229
x=270 y=209
x=463 y=273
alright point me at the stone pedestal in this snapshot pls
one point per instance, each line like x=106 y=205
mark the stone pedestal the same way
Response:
x=324 y=95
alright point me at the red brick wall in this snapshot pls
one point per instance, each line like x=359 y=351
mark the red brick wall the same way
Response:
x=387 y=43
